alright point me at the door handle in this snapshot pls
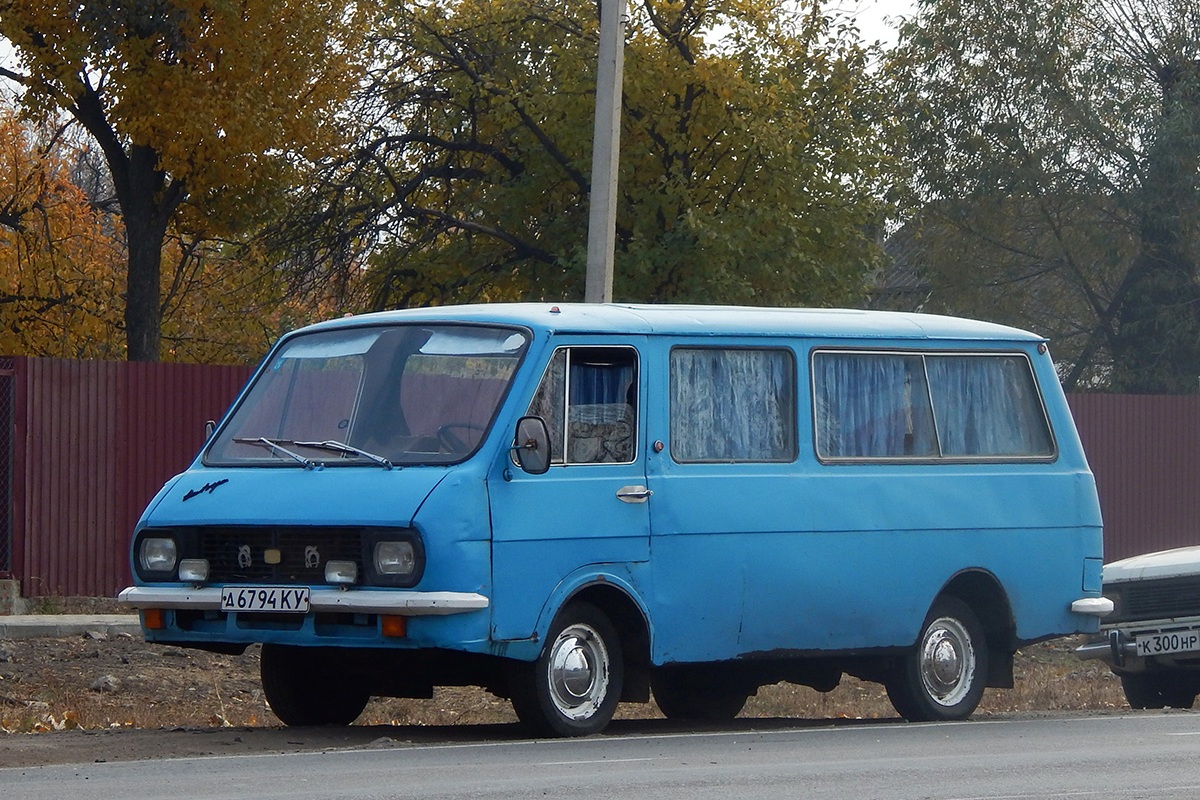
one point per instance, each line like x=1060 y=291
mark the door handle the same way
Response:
x=633 y=494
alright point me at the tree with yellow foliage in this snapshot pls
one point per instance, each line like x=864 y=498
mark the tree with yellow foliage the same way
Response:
x=59 y=261
x=202 y=110
x=63 y=262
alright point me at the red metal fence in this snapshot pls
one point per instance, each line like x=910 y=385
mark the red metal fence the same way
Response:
x=84 y=446
x=7 y=404
x=91 y=444
x=1145 y=453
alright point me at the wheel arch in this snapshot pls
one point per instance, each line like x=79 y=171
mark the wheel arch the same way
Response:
x=986 y=597
x=617 y=599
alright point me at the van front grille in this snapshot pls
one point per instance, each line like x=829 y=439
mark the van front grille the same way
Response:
x=277 y=555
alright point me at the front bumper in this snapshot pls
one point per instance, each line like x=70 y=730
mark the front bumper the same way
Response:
x=1113 y=647
x=363 y=601
x=1118 y=646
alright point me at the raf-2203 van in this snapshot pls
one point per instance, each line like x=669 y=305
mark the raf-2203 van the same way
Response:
x=577 y=505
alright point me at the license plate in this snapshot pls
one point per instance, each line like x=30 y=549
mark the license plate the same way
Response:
x=1161 y=643
x=276 y=599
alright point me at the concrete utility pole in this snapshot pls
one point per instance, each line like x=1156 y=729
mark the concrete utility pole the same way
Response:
x=606 y=145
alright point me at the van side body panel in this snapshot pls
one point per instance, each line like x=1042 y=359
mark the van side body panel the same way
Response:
x=805 y=558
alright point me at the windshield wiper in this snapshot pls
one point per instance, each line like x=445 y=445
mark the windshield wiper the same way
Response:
x=276 y=447
x=342 y=447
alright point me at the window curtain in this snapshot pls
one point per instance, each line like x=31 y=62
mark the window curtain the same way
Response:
x=600 y=420
x=732 y=405
x=872 y=406
x=987 y=406
x=596 y=384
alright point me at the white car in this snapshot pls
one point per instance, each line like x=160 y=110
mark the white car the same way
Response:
x=1151 y=640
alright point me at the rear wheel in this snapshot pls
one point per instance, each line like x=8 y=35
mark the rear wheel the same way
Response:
x=1160 y=689
x=304 y=689
x=689 y=694
x=574 y=686
x=944 y=676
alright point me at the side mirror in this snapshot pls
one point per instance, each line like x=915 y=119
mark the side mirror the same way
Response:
x=532 y=445
x=209 y=427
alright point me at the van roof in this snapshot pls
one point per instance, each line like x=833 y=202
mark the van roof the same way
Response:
x=701 y=320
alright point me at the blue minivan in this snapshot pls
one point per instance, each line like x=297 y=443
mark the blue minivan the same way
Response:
x=576 y=505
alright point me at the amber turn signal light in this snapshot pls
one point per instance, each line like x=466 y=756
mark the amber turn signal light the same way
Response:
x=394 y=626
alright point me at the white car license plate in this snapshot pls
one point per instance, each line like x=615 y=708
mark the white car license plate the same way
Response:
x=1161 y=643
x=276 y=599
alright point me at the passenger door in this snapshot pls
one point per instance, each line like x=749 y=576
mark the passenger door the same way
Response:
x=591 y=507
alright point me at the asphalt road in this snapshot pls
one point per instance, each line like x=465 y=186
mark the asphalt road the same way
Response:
x=1141 y=755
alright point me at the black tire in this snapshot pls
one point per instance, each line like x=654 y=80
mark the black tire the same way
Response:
x=944 y=676
x=302 y=689
x=1160 y=689
x=690 y=694
x=573 y=688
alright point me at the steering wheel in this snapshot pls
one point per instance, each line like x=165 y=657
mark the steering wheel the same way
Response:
x=451 y=442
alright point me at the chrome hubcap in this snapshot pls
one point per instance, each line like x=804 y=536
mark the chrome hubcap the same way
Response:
x=578 y=668
x=947 y=661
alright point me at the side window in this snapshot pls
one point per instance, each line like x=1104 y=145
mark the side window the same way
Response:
x=588 y=397
x=731 y=404
x=988 y=406
x=872 y=406
x=927 y=406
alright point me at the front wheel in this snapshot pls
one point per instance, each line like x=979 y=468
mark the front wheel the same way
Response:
x=574 y=686
x=944 y=676
x=303 y=689
x=1160 y=689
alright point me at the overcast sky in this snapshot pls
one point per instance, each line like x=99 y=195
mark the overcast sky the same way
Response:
x=871 y=16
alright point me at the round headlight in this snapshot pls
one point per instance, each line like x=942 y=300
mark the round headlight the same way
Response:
x=158 y=554
x=395 y=559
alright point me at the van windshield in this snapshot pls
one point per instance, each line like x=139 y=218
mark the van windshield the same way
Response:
x=383 y=396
